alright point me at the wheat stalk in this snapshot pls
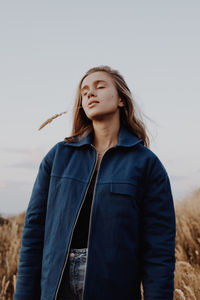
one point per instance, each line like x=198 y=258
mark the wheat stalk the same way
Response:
x=51 y=119
x=54 y=117
x=180 y=293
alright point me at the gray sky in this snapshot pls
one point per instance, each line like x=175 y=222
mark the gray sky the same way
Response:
x=47 y=46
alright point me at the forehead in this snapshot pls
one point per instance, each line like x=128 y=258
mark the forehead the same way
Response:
x=100 y=75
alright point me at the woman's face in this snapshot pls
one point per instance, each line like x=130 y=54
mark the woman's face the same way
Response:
x=99 y=87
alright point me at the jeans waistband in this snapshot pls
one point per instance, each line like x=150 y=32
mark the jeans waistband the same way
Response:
x=77 y=251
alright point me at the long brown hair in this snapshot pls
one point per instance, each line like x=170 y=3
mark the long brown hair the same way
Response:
x=82 y=124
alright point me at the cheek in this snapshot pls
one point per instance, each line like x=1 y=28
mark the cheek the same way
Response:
x=106 y=95
x=112 y=98
x=84 y=106
x=83 y=102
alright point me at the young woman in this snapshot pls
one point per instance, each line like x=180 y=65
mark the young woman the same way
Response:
x=101 y=218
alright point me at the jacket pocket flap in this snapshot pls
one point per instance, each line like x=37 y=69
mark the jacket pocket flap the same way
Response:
x=123 y=188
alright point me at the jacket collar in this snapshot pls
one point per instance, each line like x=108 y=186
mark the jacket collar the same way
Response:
x=125 y=138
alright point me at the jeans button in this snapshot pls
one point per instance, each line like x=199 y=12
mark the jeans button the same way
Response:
x=72 y=254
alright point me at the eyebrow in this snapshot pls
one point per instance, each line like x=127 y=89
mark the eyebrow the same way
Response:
x=96 y=81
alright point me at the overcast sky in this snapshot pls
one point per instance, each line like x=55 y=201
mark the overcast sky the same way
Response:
x=47 y=46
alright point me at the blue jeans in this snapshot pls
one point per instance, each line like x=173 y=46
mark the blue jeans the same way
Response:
x=73 y=280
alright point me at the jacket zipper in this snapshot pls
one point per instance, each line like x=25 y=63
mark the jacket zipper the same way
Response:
x=74 y=227
x=91 y=217
x=90 y=222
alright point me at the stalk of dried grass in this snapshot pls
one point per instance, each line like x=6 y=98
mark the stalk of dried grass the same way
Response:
x=54 y=117
x=51 y=119
x=179 y=295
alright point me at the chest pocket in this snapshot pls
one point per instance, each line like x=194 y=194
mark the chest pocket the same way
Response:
x=123 y=190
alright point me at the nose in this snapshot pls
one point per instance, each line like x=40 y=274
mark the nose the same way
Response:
x=90 y=93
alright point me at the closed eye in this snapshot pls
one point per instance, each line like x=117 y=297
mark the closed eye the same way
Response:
x=99 y=87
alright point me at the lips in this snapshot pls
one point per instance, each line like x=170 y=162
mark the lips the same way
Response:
x=91 y=102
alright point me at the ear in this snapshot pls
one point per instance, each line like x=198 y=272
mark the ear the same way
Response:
x=121 y=103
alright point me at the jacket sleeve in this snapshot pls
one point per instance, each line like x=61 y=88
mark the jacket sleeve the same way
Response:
x=158 y=235
x=30 y=258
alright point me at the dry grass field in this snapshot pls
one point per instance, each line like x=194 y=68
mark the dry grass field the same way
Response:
x=187 y=272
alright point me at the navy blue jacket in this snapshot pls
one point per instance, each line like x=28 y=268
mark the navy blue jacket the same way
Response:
x=132 y=223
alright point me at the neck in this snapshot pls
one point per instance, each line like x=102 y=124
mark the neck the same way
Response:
x=105 y=134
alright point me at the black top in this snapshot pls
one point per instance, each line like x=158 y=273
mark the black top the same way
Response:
x=81 y=230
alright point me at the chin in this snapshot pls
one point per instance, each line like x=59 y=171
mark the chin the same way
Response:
x=96 y=116
x=101 y=116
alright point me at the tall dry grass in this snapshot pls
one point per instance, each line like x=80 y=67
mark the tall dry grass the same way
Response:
x=187 y=271
x=10 y=240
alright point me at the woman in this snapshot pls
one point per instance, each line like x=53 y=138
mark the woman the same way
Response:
x=101 y=217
